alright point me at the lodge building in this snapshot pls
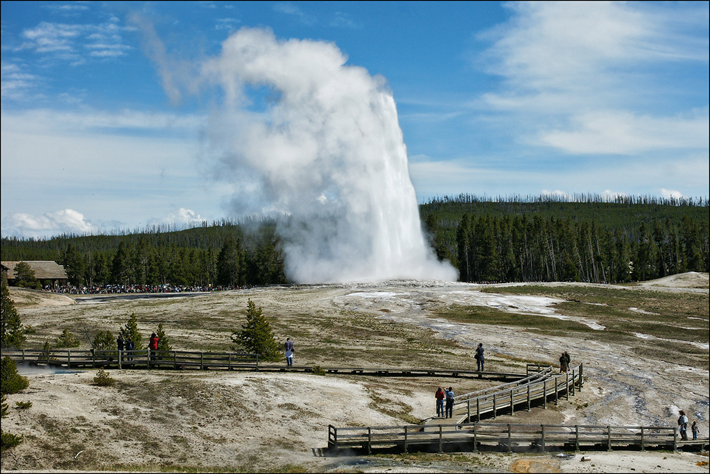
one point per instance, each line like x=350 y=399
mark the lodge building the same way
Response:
x=47 y=272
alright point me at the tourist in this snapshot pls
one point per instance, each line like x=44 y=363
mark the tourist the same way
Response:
x=695 y=429
x=153 y=346
x=119 y=344
x=440 y=402
x=449 y=412
x=129 y=348
x=563 y=363
x=288 y=347
x=479 y=357
x=683 y=423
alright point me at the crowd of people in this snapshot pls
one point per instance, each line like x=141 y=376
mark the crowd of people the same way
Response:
x=118 y=289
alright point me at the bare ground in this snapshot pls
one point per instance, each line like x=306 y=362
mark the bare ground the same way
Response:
x=207 y=421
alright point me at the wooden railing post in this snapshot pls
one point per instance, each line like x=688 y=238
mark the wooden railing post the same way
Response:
x=643 y=448
x=573 y=390
x=475 y=437
x=544 y=394
x=441 y=439
x=405 y=438
x=675 y=439
x=69 y=358
x=510 y=440
x=174 y=359
x=528 y=397
x=369 y=440
x=230 y=362
x=567 y=385
x=576 y=437
x=478 y=410
x=556 y=392
x=468 y=410
x=23 y=356
x=93 y=358
x=494 y=406
x=581 y=376
x=608 y=438
x=202 y=360
x=120 y=357
x=542 y=427
x=147 y=358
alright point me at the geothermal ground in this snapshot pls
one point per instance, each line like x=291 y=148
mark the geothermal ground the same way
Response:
x=644 y=348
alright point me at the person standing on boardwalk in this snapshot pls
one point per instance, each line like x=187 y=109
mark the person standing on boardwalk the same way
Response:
x=288 y=347
x=695 y=429
x=683 y=423
x=568 y=360
x=449 y=412
x=563 y=363
x=129 y=348
x=479 y=357
x=440 y=402
x=119 y=344
x=153 y=346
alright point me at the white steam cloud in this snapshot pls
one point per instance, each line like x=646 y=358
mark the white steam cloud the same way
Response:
x=327 y=152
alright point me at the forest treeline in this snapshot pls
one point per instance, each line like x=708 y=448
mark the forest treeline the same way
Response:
x=501 y=239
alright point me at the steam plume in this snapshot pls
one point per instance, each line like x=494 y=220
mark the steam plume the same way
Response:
x=328 y=152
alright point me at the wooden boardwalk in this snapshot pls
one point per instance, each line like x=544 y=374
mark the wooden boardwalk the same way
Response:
x=194 y=360
x=507 y=437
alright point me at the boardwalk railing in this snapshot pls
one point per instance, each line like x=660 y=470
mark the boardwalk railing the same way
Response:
x=538 y=387
x=474 y=436
x=73 y=358
x=113 y=359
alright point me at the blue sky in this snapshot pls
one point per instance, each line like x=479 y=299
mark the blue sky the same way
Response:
x=104 y=124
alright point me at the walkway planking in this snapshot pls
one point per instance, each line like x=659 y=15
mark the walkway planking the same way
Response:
x=507 y=437
x=194 y=360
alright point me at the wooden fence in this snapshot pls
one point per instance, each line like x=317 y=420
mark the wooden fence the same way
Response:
x=541 y=386
x=114 y=359
x=508 y=437
x=72 y=358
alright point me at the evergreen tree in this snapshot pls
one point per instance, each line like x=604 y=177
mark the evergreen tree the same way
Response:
x=25 y=276
x=163 y=342
x=67 y=339
x=120 y=265
x=256 y=335
x=73 y=264
x=10 y=380
x=7 y=440
x=230 y=262
x=103 y=341
x=130 y=331
x=462 y=243
x=12 y=332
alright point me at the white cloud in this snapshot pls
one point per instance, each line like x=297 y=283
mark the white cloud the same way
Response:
x=62 y=41
x=557 y=194
x=16 y=83
x=65 y=221
x=669 y=193
x=182 y=218
x=584 y=77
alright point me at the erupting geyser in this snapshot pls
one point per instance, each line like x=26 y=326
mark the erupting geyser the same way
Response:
x=327 y=151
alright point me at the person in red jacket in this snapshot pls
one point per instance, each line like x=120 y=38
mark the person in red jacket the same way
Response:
x=153 y=345
x=439 y=402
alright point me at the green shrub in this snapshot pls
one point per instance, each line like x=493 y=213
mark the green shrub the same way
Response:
x=23 y=405
x=10 y=380
x=318 y=370
x=103 y=341
x=67 y=339
x=256 y=335
x=7 y=440
x=103 y=379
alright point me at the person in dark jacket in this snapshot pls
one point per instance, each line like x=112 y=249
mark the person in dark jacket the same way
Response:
x=449 y=412
x=119 y=344
x=440 y=402
x=288 y=347
x=479 y=357
x=129 y=348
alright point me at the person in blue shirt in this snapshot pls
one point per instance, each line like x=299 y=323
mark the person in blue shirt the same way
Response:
x=479 y=357
x=288 y=347
x=449 y=412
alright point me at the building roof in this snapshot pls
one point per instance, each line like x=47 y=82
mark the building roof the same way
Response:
x=44 y=269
